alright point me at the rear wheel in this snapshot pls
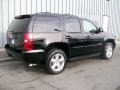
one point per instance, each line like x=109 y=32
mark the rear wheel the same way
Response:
x=56 y=61
x=108 y=51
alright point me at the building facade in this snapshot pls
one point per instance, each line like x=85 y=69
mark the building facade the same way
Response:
x=94 y=10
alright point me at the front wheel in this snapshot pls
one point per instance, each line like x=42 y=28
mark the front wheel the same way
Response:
x=108 y=51
x=56 y=61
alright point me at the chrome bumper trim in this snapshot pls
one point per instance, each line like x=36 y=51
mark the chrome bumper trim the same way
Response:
x=33 y=51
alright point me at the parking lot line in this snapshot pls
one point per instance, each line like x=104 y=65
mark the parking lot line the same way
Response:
x=5 y=59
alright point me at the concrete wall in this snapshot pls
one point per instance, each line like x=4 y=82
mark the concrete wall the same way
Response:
x=91 y=9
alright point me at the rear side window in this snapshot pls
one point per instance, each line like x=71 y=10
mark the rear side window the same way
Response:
x=46 y=24
x=19 y=25
x=72 y=25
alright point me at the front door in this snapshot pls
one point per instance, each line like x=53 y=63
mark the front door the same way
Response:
x=93 y=41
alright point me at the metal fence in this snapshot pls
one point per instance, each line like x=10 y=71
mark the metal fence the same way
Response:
x=91 y=9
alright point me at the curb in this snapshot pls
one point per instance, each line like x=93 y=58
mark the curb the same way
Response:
x=6 y=60
x=2 y=49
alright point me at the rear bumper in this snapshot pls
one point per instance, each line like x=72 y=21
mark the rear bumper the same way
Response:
x=32 y=56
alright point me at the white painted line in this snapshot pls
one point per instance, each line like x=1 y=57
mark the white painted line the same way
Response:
x=2 y=49
x=5 y=59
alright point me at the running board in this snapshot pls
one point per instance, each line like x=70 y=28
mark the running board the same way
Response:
x=85 y=56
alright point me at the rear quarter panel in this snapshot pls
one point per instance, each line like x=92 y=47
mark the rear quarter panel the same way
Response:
x=44 y=39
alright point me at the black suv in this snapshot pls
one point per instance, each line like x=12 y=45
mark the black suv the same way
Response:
x=55 y=39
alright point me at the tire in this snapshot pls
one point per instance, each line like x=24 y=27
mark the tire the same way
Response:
x=55 y=61
x=108 y=51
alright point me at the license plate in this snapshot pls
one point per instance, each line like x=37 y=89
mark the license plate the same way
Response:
x=12 y=41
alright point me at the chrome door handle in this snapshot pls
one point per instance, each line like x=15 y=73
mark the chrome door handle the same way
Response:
x=88 y=36
x=68 y=37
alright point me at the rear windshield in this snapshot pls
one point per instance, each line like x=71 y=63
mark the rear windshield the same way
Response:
x=19 y=25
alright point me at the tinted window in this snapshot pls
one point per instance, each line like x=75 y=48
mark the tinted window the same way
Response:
x=46 y=24
x=72 y=25
x=19 y=25
x=88 y=26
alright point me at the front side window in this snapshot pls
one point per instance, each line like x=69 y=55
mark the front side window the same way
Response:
x=72 y=25
x=88 y=26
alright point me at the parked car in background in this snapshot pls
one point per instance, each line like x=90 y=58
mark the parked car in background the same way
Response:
x=55 y=39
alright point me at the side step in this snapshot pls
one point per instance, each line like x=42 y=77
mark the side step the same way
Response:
x=85 y=56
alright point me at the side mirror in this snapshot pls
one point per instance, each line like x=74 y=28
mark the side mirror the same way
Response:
x=99 y=30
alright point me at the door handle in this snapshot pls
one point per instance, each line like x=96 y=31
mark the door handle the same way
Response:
x=57 y=30
x=68 y=37
x=88 y=36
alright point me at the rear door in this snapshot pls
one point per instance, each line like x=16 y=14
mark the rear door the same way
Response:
x=46 y=30
x=75 y=37
x=16 y=31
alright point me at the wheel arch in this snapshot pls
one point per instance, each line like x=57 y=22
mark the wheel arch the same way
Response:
x=112 y=41
x=59 y=45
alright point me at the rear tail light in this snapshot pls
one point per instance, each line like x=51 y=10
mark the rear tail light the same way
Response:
x=28 y=43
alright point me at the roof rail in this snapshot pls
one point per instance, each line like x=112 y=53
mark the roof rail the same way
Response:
x=44 y=13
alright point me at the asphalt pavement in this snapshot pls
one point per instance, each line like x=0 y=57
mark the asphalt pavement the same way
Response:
x=85 y=74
